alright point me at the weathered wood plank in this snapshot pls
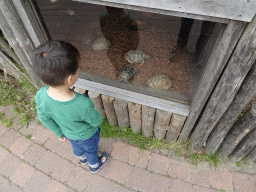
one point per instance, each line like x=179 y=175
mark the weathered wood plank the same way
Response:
x=245 y=147
x=215 y=10
x=148 y=117
x=109 y=109
x=237 y=68
x=29 y=17
x=216 y=63
x=121 y=108
x=252 y=155
x=175 y=127
x=135 y=116
x=96 y=99
x=17 y=38
x=161 y=124
x=6 y=48
x=240 y=130
x=243 y=96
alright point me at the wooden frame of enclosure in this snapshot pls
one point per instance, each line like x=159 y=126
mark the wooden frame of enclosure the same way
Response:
x=230 y=61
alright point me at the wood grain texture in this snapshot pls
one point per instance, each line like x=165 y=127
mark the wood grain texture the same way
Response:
x=135 y=116
x=242 y=10
x=162 y=121
x=245 y=147
x=176 y=124
x=17 y=38
x=96 y=99
x=237 y=68
x=148 y=119
x=243 y=96
x=121 y=108
x=238 y=132
x=109 y=109
x=216 y=63
x=252 y=155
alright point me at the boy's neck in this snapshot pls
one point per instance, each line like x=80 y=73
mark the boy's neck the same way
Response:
x=62 y=93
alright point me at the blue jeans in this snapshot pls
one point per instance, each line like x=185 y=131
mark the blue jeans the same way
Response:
x=89 y=147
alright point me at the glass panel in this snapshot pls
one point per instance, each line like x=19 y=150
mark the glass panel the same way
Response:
x=159 y=55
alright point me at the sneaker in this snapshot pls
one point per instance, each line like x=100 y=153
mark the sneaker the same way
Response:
x=176 y=52
x=103 y=159
x=83 y=162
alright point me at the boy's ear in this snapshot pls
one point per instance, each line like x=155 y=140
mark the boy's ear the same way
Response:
x=69 y=79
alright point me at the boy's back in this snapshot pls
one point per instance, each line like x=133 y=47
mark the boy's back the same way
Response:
x=77 y=119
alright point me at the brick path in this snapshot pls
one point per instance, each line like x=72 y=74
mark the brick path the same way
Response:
x=43 y=163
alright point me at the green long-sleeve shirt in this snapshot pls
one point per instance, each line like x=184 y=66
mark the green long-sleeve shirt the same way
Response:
x=77 y=118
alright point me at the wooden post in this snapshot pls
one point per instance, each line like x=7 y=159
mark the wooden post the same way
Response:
x=109 y=109
x=148 y=117
x=237 y=68
x=162 y=121
x=121 y=108
x=245 y=93
x=175 y=127
x=17 y=38
x=242 y=128
x=223 y=48
x=245 y=147
x=252 y=155
x=96 y=99
x=135 y=116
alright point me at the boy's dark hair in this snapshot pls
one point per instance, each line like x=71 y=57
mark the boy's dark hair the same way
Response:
x=54 y=61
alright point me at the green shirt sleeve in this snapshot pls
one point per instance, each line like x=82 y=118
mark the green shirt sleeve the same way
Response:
x=92 y=116
x=49 y=123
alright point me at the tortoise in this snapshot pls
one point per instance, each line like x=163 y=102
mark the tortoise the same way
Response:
x=100 y=44
x=136 y=56
x=126 y=73
x=159 y=81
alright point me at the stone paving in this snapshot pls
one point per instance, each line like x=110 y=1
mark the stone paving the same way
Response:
x=43 y=163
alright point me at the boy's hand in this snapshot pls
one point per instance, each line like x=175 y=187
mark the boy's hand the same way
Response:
x=62 y=138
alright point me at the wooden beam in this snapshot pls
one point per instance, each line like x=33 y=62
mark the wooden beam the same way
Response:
x=148 y=117
x=237 y=68
x=243 y=96
x=238 y=132
x=121 y=109
x=135 y=116
x=243 y=10
x=224 y=46
x=17 y=38
x=162 y=121
x=252 y=155
x=245 y=147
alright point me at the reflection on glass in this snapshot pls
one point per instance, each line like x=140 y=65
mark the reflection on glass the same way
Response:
x=158 y=54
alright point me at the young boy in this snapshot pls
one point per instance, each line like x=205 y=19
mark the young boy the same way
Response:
x=66 y=113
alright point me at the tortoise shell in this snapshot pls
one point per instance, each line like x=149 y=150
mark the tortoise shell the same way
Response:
x=159 y=81
x=126 y=73
x=100 y=44
x=136 y=56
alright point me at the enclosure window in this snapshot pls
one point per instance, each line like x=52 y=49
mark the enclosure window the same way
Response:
x=159 y=55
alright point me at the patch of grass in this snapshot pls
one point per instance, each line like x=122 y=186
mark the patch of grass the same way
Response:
x=243 y=161
x=42 y=145
x=20 y=95
x=28 y=136
x=10 y=181
x=8 y=150
x=179 y=147
x=7 y=122
x=137 y=139
x=196 y=158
